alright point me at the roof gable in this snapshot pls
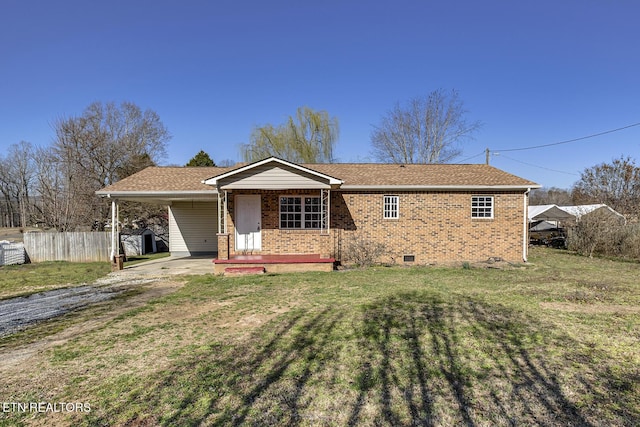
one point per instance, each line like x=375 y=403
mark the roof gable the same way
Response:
x=273 y=174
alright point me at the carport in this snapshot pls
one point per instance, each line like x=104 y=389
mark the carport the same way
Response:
x=545 y=224
x=192 y=206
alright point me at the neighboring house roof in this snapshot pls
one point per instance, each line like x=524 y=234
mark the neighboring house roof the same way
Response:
x=167 y=182
x=548 y=212
x=580 y=210
x=554 y=212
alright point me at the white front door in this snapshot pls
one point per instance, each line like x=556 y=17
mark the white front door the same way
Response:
x=248 y=217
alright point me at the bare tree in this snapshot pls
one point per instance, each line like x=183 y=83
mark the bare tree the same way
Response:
x=7 y=205
x=103 y=145
x=551 y=196
x=616 y=184
x=226 y=163
x=307 y=138
x=17 y=172
x=424 y=130
x=53 y=208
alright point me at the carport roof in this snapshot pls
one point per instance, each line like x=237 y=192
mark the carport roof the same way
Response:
x=165 y=184
x=548 y=212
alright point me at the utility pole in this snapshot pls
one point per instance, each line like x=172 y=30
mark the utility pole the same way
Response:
x=486 y=152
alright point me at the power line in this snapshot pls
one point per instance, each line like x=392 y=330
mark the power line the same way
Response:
x=469 y=158
x=538 y=166
x=571 y=140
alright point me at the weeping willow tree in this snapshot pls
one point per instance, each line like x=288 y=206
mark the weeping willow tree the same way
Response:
x=307 y=138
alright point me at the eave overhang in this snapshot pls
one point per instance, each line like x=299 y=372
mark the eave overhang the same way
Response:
x=330 y=181
x=439 y=187
x=160 y=196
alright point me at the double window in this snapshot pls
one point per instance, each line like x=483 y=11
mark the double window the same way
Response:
x=482 y=207
x=300 y=212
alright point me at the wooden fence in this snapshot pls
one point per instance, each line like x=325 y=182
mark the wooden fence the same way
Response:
x=69 y=246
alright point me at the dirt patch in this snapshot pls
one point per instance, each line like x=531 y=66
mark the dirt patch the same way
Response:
x=590 y=308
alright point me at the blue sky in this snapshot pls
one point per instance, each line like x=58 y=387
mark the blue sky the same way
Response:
x=533 y=73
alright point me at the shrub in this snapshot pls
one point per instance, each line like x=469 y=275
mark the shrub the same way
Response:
x=362 y=251
x=600 y=235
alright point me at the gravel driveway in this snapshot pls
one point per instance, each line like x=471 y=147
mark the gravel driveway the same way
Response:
x=20 y=312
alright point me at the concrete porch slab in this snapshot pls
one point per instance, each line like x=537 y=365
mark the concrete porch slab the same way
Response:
x=276 y=263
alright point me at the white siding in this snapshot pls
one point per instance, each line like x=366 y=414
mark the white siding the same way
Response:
x=270 y=177
x=193 y=227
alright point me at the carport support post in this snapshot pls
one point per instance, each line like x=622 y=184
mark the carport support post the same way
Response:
x=525 y=227
x=223 y=235
x=115 y=248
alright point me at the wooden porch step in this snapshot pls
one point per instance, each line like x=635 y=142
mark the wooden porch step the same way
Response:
x=241 y=271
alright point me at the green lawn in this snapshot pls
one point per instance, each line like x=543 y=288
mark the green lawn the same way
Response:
x=26 y=279
x=556 y=342
x=30 y=278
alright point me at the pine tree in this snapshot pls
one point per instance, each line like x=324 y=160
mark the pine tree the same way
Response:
x=201 y=159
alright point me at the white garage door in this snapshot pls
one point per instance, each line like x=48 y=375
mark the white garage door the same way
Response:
x=193 y=228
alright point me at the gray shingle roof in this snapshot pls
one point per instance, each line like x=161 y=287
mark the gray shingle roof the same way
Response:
x=189 y=179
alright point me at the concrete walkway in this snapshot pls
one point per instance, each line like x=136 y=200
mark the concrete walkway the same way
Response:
x=163 y=267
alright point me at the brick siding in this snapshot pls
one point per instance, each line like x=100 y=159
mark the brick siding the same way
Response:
x=435 y=227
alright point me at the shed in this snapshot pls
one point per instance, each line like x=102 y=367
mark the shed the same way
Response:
x=139 y=241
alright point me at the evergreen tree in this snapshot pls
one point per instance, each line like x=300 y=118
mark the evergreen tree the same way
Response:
x=201 y=159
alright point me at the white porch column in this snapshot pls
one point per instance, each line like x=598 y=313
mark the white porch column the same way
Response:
x=325 y=217
x=222 y=211
x=224 y=214
x=220 y=207
x=114 y=232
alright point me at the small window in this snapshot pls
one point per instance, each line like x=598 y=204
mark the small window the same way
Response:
x=482 y=207
x=391 y=210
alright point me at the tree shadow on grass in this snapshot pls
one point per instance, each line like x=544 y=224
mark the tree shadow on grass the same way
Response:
x=465 y=362
x=260 y=381
x=409 y=359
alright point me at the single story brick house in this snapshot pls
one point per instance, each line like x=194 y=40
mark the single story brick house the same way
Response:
x=278 y=212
